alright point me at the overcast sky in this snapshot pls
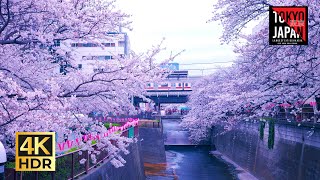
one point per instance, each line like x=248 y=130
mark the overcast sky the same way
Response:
x=183 y=24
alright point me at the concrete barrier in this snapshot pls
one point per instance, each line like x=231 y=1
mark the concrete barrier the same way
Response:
x=152 y=145
x=295 y=154
x=133 y=169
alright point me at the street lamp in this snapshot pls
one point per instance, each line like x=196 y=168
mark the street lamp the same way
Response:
x=3 y=160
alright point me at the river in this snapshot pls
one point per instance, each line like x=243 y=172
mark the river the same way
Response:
x=189 y=163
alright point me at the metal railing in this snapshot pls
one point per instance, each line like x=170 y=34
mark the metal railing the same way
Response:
x=68 y=165
x=150 y=123
x=304 y=116
x=308 y=119
x=123 y=118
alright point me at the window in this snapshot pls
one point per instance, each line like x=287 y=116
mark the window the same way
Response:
x=56 y=42
x=121 y=43
x=84 y=45
x=91 y=45
x=164 y=85
x=79 y=66
x=61 y=69
x=97 y=57
x=98 y=70
x=108 y=57
x=109 y=44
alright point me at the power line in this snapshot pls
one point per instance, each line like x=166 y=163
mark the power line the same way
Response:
x=202 y=69
x=207 y=63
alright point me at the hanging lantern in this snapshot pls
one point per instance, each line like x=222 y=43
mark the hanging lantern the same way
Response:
x=69 y=143
x=313 y=103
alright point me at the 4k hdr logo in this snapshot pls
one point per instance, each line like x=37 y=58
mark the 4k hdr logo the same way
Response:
x=35 y=151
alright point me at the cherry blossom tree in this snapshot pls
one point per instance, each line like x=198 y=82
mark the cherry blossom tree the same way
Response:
x=264 y=76
x=33 y=97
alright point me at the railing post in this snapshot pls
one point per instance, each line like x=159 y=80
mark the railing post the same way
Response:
x=53 y=175
x=72 y=167
x=87 y=163
x=136 y=131
x=15 y=175
x=161 y=124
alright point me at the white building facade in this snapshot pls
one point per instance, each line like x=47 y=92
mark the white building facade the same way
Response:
x=87 y=53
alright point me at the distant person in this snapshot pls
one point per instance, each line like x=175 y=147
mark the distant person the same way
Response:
x=299 y=118
x=65 y=137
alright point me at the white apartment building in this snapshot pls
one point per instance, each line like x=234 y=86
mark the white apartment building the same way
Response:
x=87 y=53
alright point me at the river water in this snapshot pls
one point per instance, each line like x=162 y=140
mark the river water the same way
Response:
x=189 y=163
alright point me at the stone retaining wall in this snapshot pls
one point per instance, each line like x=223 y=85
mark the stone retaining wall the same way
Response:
x=133 y=169
x=152 y=145
x=295 y=154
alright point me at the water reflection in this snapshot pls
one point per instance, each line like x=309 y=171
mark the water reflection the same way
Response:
x=188 y=163
x=174 y=134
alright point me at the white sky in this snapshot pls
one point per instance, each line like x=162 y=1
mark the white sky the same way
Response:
x=183 y=24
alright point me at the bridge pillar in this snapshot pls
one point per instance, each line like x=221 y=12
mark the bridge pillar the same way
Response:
x=157 y=106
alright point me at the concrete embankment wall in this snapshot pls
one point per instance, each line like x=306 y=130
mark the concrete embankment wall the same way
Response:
x=133 y=169
x=295 y=155
x=152 y=145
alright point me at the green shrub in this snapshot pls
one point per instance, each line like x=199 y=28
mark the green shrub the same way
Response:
x=267 y=118
x=271 y=134
x=93 y=142
x=261 y=129
x=62 y=172
x=10 y=165
x=107 y=125
x=72 y=149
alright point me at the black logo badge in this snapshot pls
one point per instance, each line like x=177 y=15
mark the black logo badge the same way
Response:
x=288 y=25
